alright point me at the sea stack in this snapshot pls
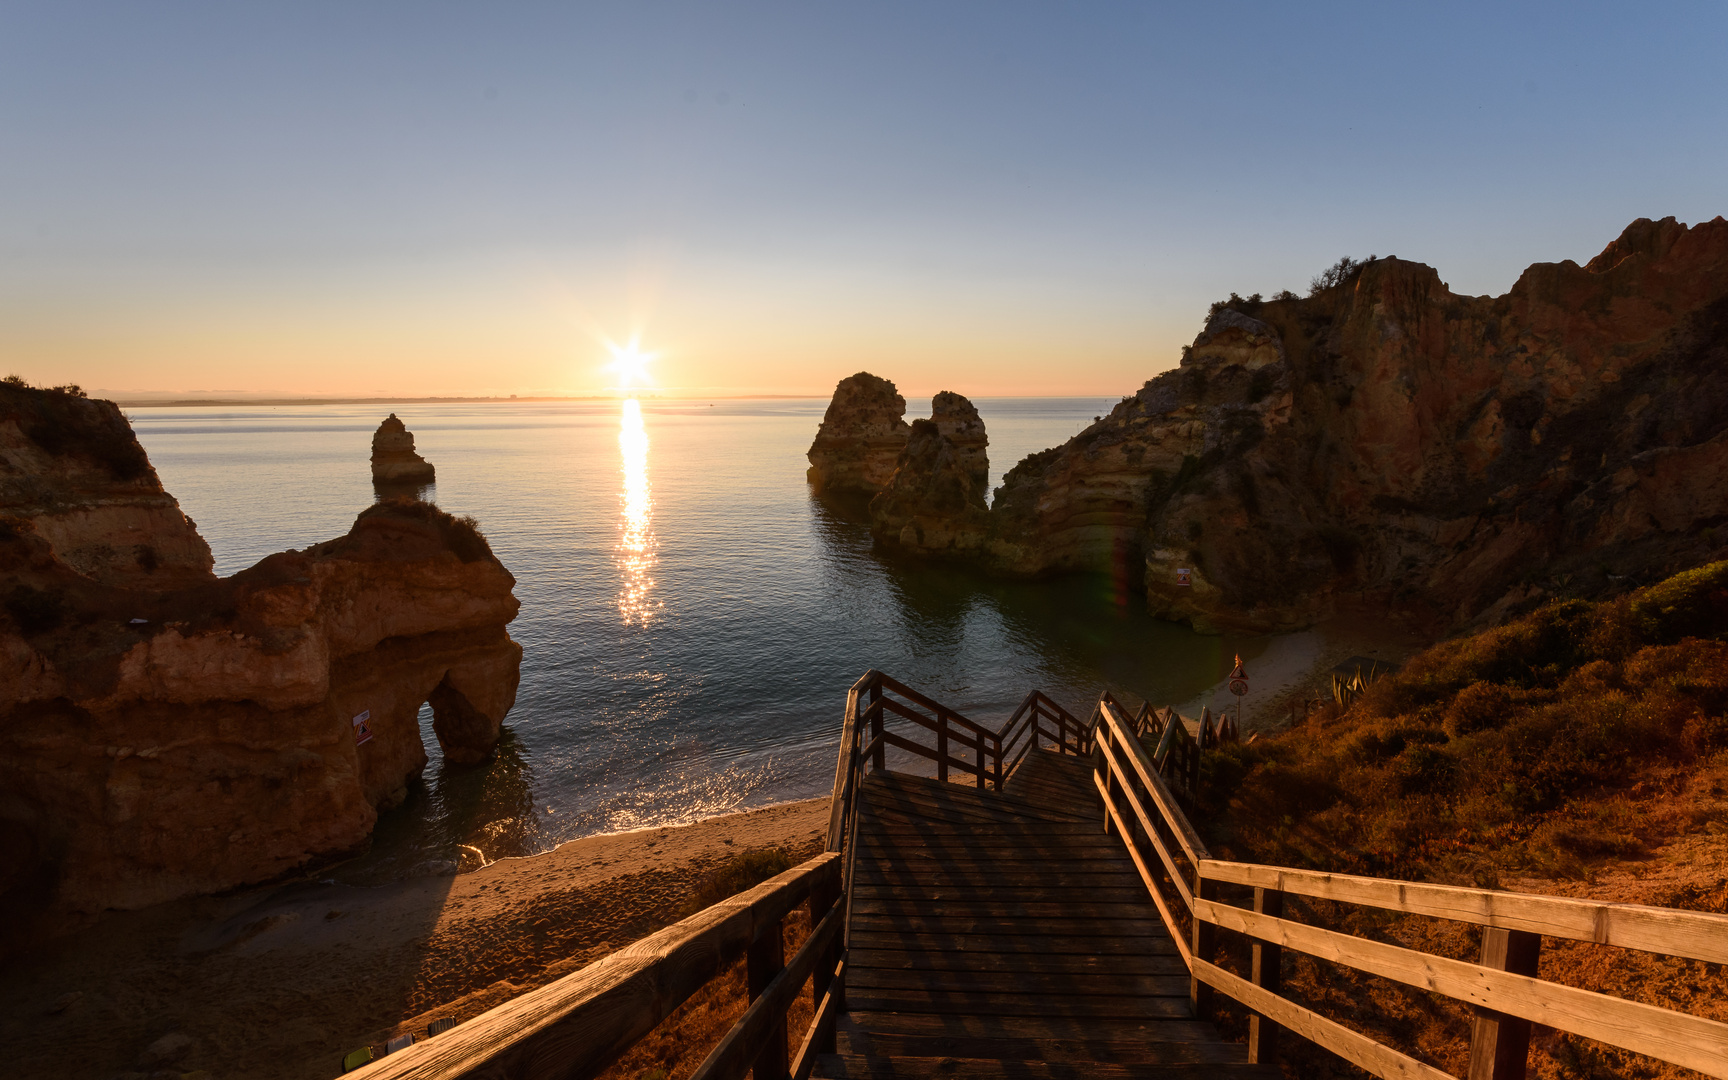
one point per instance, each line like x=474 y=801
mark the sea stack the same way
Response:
x=936 y=502
x=861 y=437
x=393 y=458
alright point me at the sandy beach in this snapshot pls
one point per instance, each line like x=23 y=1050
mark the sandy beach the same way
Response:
x=280 y=983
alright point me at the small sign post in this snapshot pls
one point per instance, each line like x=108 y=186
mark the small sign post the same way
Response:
x=363 y=727
x=1239 y=687
x=1184 y=578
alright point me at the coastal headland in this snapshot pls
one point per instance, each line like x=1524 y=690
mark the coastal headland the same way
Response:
x=1382 y=441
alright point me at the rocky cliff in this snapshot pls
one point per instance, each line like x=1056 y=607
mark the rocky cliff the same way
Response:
x=165 y=737
x=860 y=438
x=1385 y=438
x=935 y=502
x=393 y=458
x=71 y=468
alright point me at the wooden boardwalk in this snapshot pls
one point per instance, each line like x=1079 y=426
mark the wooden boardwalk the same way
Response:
x=1005 y=935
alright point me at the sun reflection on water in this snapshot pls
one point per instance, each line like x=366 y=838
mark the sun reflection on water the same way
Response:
x=636 y=540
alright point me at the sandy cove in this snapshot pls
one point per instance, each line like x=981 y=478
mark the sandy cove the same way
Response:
x=279 y=983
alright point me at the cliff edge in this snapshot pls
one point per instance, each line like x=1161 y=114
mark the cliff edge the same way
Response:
x=1387 y=439
x=164 y=732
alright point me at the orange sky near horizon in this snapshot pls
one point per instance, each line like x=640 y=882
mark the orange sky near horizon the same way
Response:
x=491 y=330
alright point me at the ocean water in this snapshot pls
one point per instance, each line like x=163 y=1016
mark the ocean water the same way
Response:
x=691 y=614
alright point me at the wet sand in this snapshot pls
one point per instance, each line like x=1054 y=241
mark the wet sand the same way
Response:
x=280 y=983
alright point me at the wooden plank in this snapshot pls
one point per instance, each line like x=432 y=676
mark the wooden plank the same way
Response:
x=1082 y=962
x=1116 y=1052
x=935 y=821
x=1166 y=802
x=846 y=772
x=991 y=875
x=1066 y=984
x=1356 y=1048
x=919 y=804
x=858 y=1067
x=1103 y=943
x=973 y=895
x=1695 y=935
x=918 y=795
x=1151 y=833
x=1037 y=911
x=1181 y=1029
x=965 y=922
x=1692 y=1042
x=1034 y=1005
x=577 y=1024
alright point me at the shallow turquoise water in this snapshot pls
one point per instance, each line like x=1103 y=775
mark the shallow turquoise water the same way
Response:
x=691 y=615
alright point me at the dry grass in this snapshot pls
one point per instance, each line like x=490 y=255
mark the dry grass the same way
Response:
x=674 y=1049
x=1551 y=754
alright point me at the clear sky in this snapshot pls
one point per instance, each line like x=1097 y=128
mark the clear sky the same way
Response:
x=994 y=198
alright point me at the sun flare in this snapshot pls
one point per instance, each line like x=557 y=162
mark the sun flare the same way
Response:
x=630 y=364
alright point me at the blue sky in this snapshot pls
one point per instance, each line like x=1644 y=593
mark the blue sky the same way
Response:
x=992 y=197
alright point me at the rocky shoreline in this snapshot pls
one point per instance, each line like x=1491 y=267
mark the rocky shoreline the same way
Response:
x=1383 y=440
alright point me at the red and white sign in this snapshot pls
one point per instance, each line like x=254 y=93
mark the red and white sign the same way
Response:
x=1238 y=678
x=363 y=727
x=1184 y=577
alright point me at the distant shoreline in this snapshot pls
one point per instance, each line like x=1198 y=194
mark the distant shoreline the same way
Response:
x=181 y=403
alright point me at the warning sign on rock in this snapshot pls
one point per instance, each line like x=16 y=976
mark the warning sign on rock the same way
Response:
x=362 y=727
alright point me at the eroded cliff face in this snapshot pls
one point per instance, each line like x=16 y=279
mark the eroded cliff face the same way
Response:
x=163 y=742
x=393 y=458
x=861 y=436
x=935 y=503
x=71 y=467
x=1387 y=438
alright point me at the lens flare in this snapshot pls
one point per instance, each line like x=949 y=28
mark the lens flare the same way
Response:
x=636 y=541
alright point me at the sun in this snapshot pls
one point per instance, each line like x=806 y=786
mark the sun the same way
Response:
x=631 y=364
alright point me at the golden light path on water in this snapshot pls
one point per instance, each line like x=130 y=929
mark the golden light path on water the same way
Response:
x=636 y=540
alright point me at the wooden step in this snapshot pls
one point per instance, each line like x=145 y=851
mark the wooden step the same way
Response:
x=989 y=1026
x=860 y=1067
x=932 y=957
x=851 y=1040
x=1055 y=943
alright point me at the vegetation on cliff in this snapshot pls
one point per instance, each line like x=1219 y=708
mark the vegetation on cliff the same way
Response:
x=1581 y=749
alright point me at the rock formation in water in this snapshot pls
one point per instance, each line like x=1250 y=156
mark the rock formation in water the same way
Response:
x=861 y=437
x=393 y=458
x=936 y=501
x=1387 y=440
x=166 y=732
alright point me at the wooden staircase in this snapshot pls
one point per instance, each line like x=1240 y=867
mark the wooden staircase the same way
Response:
x=1052 y=913
x=1005 y=935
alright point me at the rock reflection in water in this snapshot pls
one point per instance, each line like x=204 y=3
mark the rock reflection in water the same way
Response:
x=1071 y=635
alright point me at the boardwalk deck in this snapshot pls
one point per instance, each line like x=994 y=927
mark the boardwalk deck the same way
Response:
x=1005 y=936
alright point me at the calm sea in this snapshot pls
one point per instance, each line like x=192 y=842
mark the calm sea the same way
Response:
x=691 y=615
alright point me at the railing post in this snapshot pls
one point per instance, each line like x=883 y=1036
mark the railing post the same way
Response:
x=1268 y=975
x=822 y=898
x=1500 y=1044
x=879 y=759
x=942 y=746
x=1205 y=948
x=767 y=956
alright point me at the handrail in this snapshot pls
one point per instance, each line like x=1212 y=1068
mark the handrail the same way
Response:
x=576 y=1026
x=1503 y=988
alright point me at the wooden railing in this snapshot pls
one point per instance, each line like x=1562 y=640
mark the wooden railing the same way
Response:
x=1502 y=988
x=576 y=1026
